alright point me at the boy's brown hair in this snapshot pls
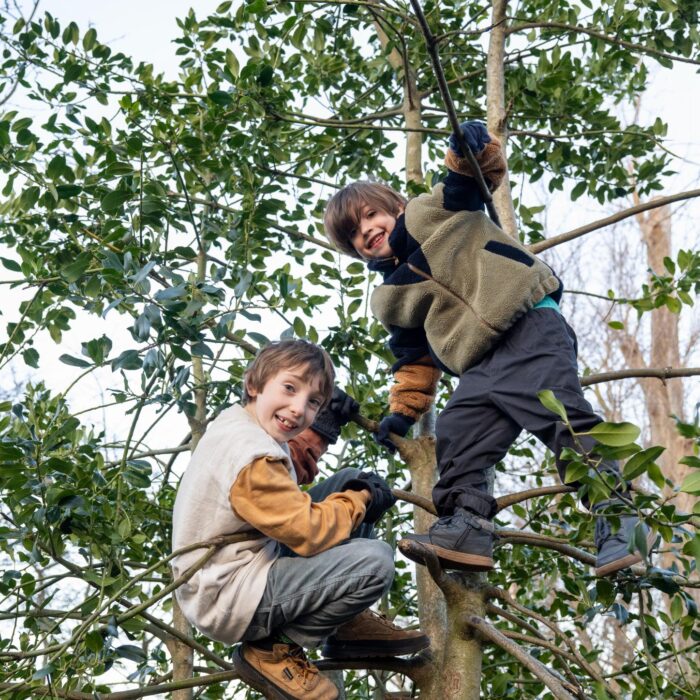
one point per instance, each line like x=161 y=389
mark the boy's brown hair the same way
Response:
x=286 y=354
x=344 y=209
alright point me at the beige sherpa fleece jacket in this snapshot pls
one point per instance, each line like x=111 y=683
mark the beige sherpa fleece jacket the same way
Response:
x=466 y=284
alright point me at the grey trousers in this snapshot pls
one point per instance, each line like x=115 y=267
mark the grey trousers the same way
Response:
x=497 y=398
x=307 y=598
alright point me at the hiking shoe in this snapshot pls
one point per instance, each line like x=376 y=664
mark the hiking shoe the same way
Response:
x=283 y=673
x=370 y=634
x=616 y=550
x=461 y=541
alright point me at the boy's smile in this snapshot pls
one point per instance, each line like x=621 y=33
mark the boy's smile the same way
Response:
x=371 y=236
x=287 y=404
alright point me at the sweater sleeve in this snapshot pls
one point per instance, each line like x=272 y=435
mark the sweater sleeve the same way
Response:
x=414 y=389
x=490 y=160
x=265 y=496
x=306 y=449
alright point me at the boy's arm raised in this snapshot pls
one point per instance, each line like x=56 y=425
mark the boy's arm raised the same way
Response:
x=265 y=496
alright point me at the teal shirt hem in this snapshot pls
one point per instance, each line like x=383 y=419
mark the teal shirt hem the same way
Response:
x=547 y=303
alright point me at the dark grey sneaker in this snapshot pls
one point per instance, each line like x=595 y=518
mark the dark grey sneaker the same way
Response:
x=461 y=541
x=616 y=550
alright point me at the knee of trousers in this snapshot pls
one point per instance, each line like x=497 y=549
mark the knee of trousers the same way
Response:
x=346 y=474
x=377 y=559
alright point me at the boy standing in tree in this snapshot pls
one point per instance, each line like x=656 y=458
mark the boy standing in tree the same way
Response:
x=308 y=569
x=461 y=296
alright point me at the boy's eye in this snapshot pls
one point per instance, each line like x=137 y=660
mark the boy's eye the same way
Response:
x=315 y=402
x=289 y=387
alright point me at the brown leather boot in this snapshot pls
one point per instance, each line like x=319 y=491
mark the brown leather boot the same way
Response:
x=370 y=634
x=283 y=673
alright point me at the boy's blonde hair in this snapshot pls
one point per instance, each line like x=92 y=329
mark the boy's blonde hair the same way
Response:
x=344 y=210
x=287 y=354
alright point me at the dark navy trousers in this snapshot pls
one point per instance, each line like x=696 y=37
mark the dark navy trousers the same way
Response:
x=497 y=398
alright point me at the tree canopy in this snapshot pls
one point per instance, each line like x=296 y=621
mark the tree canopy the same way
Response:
x=189 y=212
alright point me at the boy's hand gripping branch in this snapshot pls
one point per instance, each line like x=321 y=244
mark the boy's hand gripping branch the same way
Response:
x=475 y=135
x=382 y=497
x=336 y=414
x=395 y=423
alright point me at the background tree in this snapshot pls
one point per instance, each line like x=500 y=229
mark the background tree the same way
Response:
x=188 y=211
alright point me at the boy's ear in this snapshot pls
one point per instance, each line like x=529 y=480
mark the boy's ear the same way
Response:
x=252 y=393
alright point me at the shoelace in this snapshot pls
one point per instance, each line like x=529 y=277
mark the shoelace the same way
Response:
x=382 y=619
x=301 y=664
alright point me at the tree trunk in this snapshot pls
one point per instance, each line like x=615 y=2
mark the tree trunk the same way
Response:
x=665 y=399
x=496 y=115
x=182 y=654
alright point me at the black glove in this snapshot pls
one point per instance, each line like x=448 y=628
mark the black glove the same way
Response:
x=393 y=423
x=382 y=498
x=475 y=136
x=336 y=414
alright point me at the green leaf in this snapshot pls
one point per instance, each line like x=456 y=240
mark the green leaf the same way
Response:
x=676 y=608
x=265 y=77
x=43 y=672
x=691 y=483
x=67 y=191
x=614 y=434
x=29 y=198
x=232 y=63
x=112 y=201
x=131 y=652
x=299 y=328
x=202 y=350
x=89 y=39
x=551 y=402
x=129 y=359
x=221 y=97
x=575 y=471
x=10 y=264
x=73 y=361
x=31 y=357
x=75 y=270
x=637 y=464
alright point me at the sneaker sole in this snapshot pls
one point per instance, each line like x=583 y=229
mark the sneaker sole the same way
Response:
x=256 y=680
x=450 y=559
x=627 y=561
x=378 y=648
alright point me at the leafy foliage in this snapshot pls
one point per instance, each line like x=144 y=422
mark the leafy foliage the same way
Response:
x=188 y=211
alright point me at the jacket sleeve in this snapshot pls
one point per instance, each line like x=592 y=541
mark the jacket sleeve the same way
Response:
x=306 y=449
x=414 y=389
x=265 y=496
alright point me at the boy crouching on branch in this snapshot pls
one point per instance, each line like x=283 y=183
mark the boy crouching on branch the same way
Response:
x=459 y=295
x=309 y=569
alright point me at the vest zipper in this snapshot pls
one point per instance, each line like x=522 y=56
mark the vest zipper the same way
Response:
x=428 y=277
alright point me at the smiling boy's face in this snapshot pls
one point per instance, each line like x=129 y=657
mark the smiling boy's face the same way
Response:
x=287 y=404
x=370 y=238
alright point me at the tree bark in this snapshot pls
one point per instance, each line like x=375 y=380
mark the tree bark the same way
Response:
x=496 y=114
x=182 y=654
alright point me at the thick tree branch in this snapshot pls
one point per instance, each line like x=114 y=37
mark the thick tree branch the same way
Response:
x=513 y=498
x=613 y=219
x=660 y=373
x=538 y=669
